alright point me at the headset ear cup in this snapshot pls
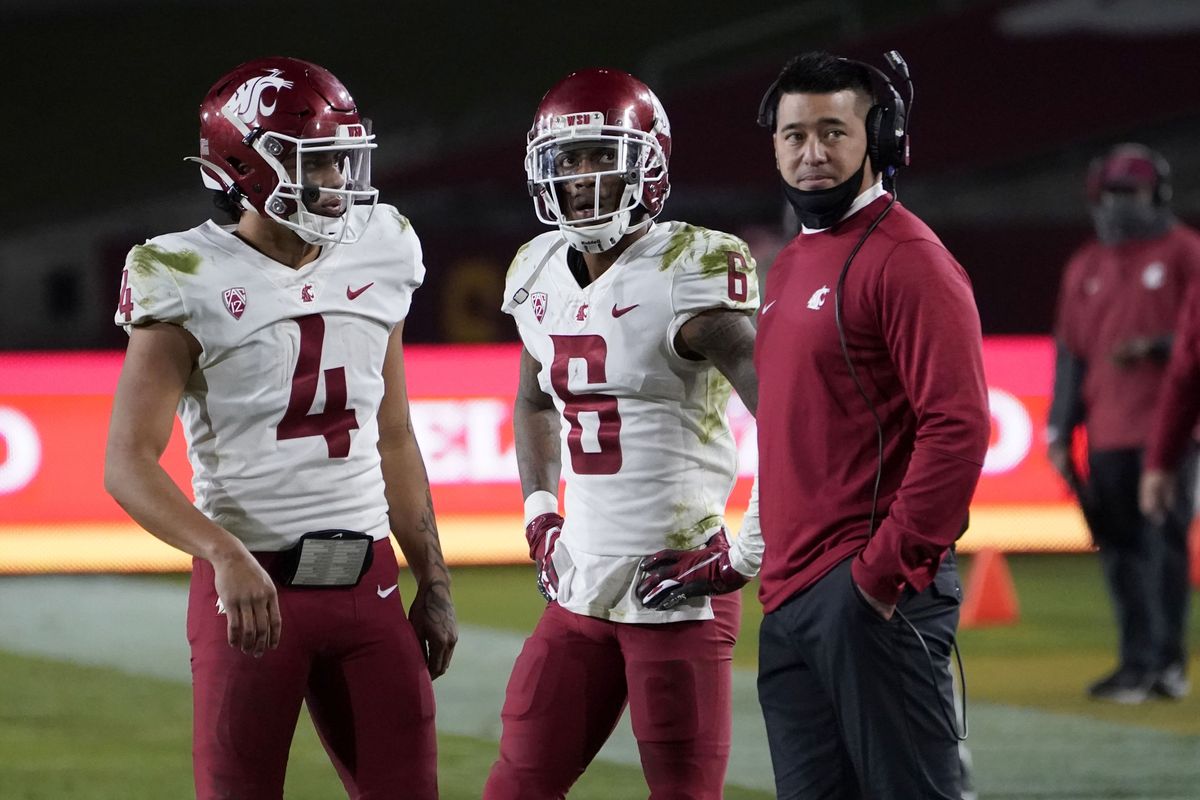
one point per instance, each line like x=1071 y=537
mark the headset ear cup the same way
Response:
x=874 y=119
x=882 y=144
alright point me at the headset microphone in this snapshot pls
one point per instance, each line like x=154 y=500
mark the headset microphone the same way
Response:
x=897 y=63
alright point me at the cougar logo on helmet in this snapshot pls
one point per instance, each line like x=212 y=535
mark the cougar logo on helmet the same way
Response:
x=248 y=102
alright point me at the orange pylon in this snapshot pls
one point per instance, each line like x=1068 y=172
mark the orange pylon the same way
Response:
x=991 y=598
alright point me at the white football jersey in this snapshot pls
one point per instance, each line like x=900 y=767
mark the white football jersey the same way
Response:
x=647 y=454
x=280 y=413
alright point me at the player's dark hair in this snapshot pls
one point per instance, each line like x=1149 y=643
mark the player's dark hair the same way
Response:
x=819 y=72
x=227 y=206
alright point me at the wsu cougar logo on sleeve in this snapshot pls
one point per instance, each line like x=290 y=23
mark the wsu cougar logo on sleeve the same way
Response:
x=248 y=102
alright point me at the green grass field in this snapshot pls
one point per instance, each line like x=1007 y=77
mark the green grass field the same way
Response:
x=89 y=732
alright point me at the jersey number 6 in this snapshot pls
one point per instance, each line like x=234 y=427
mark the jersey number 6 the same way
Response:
x=592 y=350
x=738 y=283
x=336 y=421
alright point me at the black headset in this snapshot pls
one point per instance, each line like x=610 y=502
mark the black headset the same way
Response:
x=887 y=119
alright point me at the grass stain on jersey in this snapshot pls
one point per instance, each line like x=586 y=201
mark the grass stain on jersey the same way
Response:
x=679 y=540
x=710 y=248
x=716 y=399
x=681 y=241
x=517 y=259
x=145 y=260
x=401 y=220
x=692 y=536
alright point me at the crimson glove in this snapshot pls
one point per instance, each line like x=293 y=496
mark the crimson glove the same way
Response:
x=671 y=576
x=542 y=533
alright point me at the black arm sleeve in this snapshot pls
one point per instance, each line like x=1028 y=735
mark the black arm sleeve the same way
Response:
x=1066 y=406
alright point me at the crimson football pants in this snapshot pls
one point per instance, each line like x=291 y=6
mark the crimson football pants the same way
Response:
x=572 y=680
x=351 y=654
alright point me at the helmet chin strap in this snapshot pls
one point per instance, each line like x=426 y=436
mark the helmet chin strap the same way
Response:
x=603 y=237
x=596 y=238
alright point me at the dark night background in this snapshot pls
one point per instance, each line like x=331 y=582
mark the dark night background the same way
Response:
x=1013 y=99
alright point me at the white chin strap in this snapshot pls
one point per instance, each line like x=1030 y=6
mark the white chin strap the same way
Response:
x=598 y=238
x=316 y=229
x=319 y=229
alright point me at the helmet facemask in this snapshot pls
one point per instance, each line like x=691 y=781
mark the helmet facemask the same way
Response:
x=319 y=179
x=634 y=158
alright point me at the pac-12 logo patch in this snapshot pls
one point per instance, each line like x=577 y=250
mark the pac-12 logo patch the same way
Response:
x=235 y=301
x=538 y=299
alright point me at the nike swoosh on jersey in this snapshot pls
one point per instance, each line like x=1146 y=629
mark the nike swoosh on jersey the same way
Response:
x=385 y=592
x=620 y=312
x=767 y=307
x=353 y=293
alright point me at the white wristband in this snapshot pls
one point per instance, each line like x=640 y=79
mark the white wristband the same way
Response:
x=539 y=503
x=745 y=552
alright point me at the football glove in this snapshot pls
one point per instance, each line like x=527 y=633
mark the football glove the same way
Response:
x=671 y=576
x=542 y=533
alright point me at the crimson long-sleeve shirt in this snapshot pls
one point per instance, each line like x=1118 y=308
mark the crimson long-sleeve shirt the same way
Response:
x=913 y=334
x=1111 y=294
x=1179 y=400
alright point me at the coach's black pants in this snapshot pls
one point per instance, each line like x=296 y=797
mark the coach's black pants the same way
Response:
x=851 y=701
x=1145 y=564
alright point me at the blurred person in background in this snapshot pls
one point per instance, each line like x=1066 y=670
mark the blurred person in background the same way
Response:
x=872 y=429
x=1118 y=308
x=634 y=333
x=1168 y=474
x=278 y=339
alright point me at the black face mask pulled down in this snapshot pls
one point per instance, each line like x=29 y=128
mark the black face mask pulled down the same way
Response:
x=821 y=208
x=1122 y=217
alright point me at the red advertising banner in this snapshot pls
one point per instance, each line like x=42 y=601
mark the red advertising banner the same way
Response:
x=56 y=516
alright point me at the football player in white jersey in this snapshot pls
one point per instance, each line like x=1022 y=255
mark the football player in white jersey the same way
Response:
x=633 y=333
x=278 y=340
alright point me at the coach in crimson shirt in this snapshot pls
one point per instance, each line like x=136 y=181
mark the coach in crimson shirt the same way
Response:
x=1121 y=297
x=853 y=581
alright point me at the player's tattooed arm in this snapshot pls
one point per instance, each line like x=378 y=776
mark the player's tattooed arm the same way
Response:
x=536 y=426
x=726 y=338
x=411 y=517
x=432 y=611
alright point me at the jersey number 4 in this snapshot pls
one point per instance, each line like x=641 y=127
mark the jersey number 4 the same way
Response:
x=125 y=300
x=605 y=457
x=336 y=420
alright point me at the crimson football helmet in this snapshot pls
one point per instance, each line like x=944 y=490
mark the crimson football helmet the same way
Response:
x=282 y=137
x=1130 y=167
x=603 y=108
